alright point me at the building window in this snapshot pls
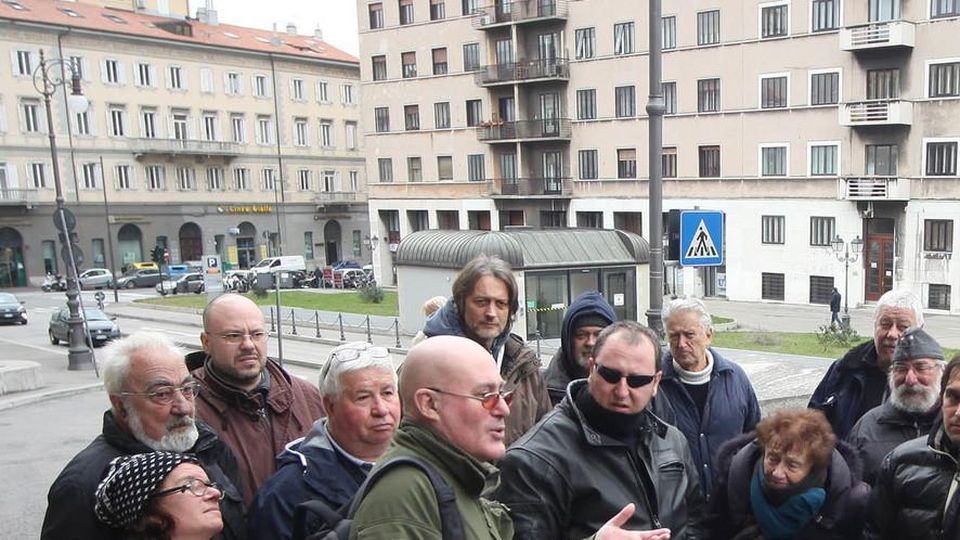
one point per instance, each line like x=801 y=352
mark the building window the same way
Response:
x=381 y=119
x=296 y=89
x=238 y=128
x=112 y=72
x=626 y=103
x=437 y=10
x=590 y=220
x=772 y=228
x=411 y=117
x=385 y=167
x=586 y=42
x=241 y=179
x=474 y=112
x=145 y=76
x=938 y=296
x=175 y=78
x=186 y=179
x=708 y=95
x=942 y=158
x=117 y=123
x=30 y=110
x=354 y=181
x=326 y=133
x=300 y=132
x=406 y=12
x=708 y=27
x=89 y=175
x=668 y=28
x=944 y=8
x=23 y=63
x=771 y=286
x=268 y=179
x=408 y=64
x=308 y=245
x=471 y=57
x=824 y=159
x=669 y=98
x=376 y=15
x=123 y=177
x=210 y=127
x=148 y=123
x=774 y=21
x=264 y=130
x=773 y=161
x=589 y=169
x=206 y=80
x=440 y=61
x=881 y=159
x=668 y=162
x=350 y=130
x=330 y=181
x=825 y=15
x=553 y=219
x=773 y=92
x=379 y=67
x=214 y=179
x=821 y=289
x=626 y=163
x=414 y=169
x=475 y=168
x=821 y=230
x=323 y=92
x=469 y=7
x=155 y=177
x=304 y=180
x=261 y=87
x=49 y=248
x=938 y=235
x=233 y=84
x=623 y=38
x=38 y=175
x=586 y=104
x=441 y=115
x=825 y=88
x=709 y=161
x=81 y=123
x=883 y=83
x=445 y=167
x=945 y=78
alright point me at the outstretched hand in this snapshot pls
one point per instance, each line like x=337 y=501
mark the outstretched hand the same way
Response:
x=612 y=530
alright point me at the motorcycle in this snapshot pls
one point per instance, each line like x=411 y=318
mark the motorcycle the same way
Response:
x=53 y=283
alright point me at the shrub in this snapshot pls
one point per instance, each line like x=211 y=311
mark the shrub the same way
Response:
x=372 y=294
x=837 y=334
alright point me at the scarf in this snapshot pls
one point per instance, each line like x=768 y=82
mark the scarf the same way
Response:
x=786 y=519
x=622 y=427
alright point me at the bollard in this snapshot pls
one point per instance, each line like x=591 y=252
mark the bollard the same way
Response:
x=272 y=328
x=538 y=344
x=369 y=339
x=340 y=321
x=293 y=321
x=316 y=315
x=396 y=327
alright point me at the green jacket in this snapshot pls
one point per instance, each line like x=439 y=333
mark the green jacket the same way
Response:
x=402 y=505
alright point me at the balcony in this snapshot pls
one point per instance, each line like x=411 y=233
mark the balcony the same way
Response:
x=554 y=69
x=327 y=199
x=519 y=12
x=877 y=112
x=875 y=188
x=17 y=197
x=550 y=129
x=878 y=35
x=532 y=187
x=184 y=147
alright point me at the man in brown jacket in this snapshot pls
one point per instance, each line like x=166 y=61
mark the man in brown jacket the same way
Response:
x=483 y=307
x=250 y=401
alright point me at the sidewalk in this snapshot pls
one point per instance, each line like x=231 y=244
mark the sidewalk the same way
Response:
x=57 y=381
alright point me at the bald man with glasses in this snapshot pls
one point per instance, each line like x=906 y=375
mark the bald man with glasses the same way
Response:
x=255 y=405
x=602 y=452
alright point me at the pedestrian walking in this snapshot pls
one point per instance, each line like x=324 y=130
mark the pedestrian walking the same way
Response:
x=835 y=307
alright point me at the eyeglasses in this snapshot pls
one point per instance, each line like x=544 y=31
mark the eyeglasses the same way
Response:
x=613 y=376
x=196 y=486
x=238 y=337
x=920 y=368
x=163 y=395
x=489 y=400
x=349 y=354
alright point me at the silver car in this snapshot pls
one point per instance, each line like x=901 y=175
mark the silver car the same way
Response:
x=102 y=327
x=95 y=278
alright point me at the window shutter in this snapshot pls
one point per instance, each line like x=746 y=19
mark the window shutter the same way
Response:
x=103 y=72
x=226 y=83
x=12 y=181
x=121 y=71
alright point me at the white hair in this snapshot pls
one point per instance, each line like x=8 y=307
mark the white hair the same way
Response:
x=179 y=434
x=918 y=398
x=353 y=357
x=680 y=305
x=115 y=360
x=899 y=298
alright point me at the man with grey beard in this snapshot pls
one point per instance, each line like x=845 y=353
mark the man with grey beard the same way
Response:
x=152 y=409
x=914 y=402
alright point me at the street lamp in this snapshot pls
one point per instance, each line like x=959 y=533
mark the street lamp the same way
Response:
x=372 y=241
x=842 y=250
x=47 y=78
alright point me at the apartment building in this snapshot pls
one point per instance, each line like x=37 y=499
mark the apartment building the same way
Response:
x=200 y=137
x=802 y=120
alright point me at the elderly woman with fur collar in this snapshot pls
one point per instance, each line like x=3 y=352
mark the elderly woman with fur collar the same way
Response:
x=789 y=480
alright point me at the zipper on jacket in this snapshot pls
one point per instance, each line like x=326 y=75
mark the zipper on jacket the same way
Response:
x=646 y=483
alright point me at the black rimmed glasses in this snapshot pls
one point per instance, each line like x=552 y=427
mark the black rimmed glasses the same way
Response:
x=196 y=486
x=163 y=395
x=613 y=376
x=488 y=400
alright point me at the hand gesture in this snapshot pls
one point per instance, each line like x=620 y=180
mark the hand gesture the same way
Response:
x=612 y=530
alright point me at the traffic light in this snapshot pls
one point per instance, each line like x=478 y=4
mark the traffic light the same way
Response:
x=156 y=255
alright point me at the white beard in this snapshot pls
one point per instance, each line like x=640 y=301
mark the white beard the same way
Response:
x=907 y=399
x=180 y=434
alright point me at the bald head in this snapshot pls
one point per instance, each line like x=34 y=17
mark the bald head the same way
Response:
x=435 y=361
x=235 y=339
x=227 y=303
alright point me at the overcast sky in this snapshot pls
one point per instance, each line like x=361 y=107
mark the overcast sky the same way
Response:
x=337 y=18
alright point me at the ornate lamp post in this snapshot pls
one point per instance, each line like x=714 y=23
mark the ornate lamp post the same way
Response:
x=842 y=250
x=47 y=78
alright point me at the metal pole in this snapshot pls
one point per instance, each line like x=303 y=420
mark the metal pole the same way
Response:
x=316 y=315
x=106 y=218
x=293 y=321
x=276 y=285
x=396 y=328
x=655 y=110
x=272 y=327
x=846 y=278
x=340 y=321
x=369 y=339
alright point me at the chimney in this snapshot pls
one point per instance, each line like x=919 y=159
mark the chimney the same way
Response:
x=274 y=38
x=318 y=32
x=291 y=29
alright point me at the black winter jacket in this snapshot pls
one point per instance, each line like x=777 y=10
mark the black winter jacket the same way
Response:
x=841 y=516
x=563 y=479
x=911 y=492
x=885 y=428
x=71 y=498
x=841 y=393
x=563 y=366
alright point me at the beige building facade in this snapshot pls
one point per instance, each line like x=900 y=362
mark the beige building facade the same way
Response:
x=801 y=120
x=200 y=137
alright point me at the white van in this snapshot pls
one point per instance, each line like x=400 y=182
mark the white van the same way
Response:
x=286 y=263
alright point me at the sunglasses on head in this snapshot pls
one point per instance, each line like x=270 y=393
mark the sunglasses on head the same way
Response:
x=613 y=376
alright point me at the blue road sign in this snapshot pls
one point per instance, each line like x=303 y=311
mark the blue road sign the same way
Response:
x=701 y=238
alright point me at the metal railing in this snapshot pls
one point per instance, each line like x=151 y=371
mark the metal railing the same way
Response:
x=520 y=10
x=877 y=111
x=533 y=186
x=327 y=197
x=876 y=188
x=16 y=196
x=878 y=34
x=185 y=146
x=549 y=68
x=546 y=128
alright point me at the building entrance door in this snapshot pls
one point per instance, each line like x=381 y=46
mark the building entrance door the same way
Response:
x=878 y=258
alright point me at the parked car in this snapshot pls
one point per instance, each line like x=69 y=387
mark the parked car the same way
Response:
x=177 y=270
x=147 y=277
x=96 y=278
x=285 y=263
x=142 y=266
x=192 y=282
x=102 y=327
x=12 y=310
x=343 y=265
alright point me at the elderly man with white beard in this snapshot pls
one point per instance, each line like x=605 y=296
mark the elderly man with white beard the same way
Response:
x=913 y=405
x=152 y=409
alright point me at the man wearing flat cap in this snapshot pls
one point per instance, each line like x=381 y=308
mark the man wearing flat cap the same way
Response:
x=913 y=405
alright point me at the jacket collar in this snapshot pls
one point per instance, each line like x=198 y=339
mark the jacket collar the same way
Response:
x=119 y=437
x=893 y=416
x=222 y=396
x=319 y=459
x=446 y=322
x=650 y=427
x=720 y=364
x=466 y=470
x=861 y=357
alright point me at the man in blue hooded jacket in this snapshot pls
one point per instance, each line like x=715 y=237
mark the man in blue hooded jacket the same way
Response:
x=586 y=317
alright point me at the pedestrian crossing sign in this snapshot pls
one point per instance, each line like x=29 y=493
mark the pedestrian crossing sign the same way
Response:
x=701 y=238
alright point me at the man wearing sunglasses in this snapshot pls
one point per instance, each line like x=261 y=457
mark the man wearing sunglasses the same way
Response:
x=602 y=452
x=152 y=397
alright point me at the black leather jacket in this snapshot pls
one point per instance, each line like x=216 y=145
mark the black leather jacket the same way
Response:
x=563 y=479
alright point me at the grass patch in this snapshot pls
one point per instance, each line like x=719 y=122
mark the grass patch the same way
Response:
x=778 y=342
x=720 y=320
x=347 y=302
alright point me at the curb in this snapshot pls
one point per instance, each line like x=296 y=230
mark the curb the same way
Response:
x=48 y=395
